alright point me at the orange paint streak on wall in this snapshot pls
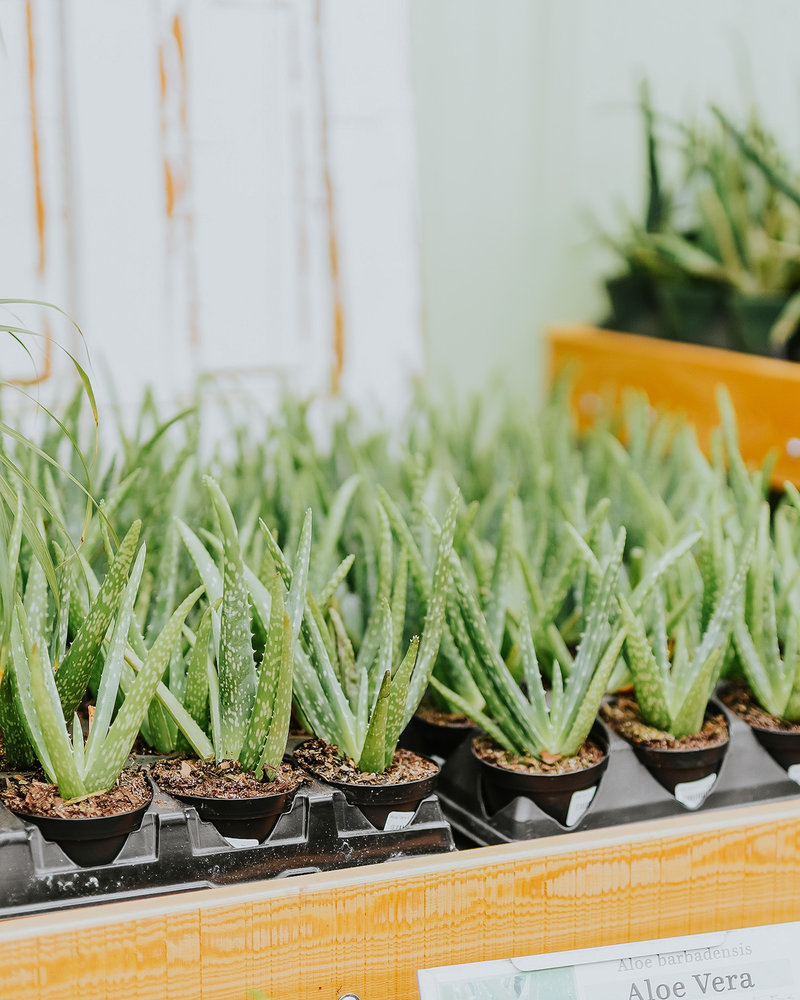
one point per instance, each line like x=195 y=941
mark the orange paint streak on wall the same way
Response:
x=37 y=166
x=333 y=240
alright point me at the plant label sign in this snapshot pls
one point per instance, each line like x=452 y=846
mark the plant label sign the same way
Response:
x=758 y=963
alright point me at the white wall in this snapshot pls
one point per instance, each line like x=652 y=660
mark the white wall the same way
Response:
x=215 y=189
x=529 y=135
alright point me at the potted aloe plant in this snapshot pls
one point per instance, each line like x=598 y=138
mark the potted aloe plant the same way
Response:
x=676 y=647
x=89 y=802
x=357 y=704
x=766 y=635
x=546 y=746
x=242 y=700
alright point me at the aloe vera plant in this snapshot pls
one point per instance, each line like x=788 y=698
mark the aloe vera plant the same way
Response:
x=531 y=723
x=766 y=631
x=675 y=648
x=361 y=702
x=45 y=711
x=244 y=704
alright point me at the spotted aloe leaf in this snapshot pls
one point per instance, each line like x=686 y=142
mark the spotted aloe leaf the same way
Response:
x=73 y=674
x=237 y=674
x=109 y=761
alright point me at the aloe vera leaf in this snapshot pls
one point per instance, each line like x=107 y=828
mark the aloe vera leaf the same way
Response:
x=397 y=698
x=166 y=582
x=332 y=692
x=791 y=664
x=326 y=548
x=206 y=567
x=275 y=744
x=312 y=611
x=687 y=716
x=59 y=639
x=298 y=584
x=657 y=570
x=78 y=746
x=557 y=713
x=719 y=628
x=372 y=636
x=487 y=724
x=501 y=576
x=22 y=732
x=276 y=553
x=756 y=672
x=73 y=674
x=53 y=728
x=580 y=727
x=214 y=711
x=648 y=677
x=116 y=747
x=115 y=656
x=596 y=632
x=373 y=754
x=195 y=697
x=537 y=698
x=499 y=689
x=259 y=597
x=264 y=702
x=338 y=577
x=346 y=657
x=435 y=614
x=310 y=699
x=237 y=674
x=398 y=606
x=534 y=590
x=35 y=600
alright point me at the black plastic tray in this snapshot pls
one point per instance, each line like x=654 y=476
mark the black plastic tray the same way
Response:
x=627 y=792
x=174 y=851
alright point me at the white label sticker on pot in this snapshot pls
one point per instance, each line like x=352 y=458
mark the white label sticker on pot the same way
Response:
x=398 y=820
x=794 y=773
x=579 y=803
x=242 y=841
x=692 y=793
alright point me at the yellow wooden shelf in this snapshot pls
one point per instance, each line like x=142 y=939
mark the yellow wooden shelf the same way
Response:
x=368 y=930
x=683 y=377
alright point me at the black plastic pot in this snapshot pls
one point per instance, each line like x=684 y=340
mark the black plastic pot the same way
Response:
x=437 y=739
x=633 y=304
x=695 y=313
x=554 y=794
x=754 y=317
x=378 y=802
x=244 y=819
x=675 y=769
x=90 y=841
x=782 y=745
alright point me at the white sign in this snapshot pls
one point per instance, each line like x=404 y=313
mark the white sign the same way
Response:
x=759 y=963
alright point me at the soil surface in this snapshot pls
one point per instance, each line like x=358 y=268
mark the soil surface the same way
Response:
x=34 y=795
x=549 y=763
x=439 y=717
x=624 y=716
x=740 y=699
x=323 y=761
x=223 y=780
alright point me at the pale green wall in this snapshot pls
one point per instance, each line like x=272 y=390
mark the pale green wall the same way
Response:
x=528 y=140
x=476 y=78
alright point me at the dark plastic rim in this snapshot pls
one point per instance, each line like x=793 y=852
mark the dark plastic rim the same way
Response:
x=90 y=841
x=782 y=744
x=552 y=793
x=377 y=801
x=672 y=767
x=247 y=819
